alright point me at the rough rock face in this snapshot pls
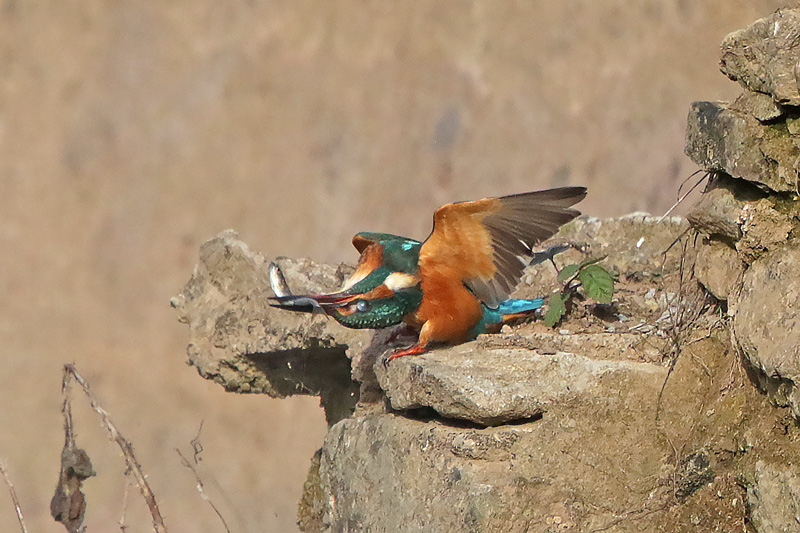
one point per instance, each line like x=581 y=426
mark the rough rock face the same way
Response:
x=750 y=209
x=775 y=497
x=496 y=385
x=749 y=216
x=763 y=57
x=766 y=326
x=245 y=345
x=723 y=139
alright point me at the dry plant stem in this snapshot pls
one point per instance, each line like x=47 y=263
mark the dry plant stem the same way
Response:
x=14 y=498
x=682 y=198
x=200 y=487
x=127 y=451
x=122 y=526
x=66 y=408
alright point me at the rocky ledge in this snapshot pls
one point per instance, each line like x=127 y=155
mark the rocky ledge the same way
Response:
x=574 y=428
x=674 y=408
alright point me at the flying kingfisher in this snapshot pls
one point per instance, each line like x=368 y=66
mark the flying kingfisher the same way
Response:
x=456 y=284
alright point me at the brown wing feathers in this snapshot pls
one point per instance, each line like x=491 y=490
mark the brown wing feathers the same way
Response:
x=502 y=231
x=523 y=221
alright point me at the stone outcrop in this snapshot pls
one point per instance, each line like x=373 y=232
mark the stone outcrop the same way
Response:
x=632 y=416
x=495 y=385
x=750 y=209
x=528 y=429
x=763 y=57
x=748 y=217
x=239 y=341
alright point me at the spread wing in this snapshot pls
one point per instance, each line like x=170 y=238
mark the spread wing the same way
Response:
x=488 y=243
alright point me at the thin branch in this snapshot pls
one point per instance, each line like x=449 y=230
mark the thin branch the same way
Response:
x=122 y=526
x=682 y=198
x=66 y=409
x=200 y=485
x=127 y=452
x=14 y=498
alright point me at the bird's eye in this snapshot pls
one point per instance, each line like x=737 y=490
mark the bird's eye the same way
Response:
x=362 y=306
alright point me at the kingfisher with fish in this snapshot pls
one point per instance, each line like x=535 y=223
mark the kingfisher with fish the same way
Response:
x=457 y=283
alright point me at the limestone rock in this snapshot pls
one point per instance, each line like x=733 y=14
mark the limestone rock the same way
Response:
x=388 y=472
x=491 y=386
x=241 y=342
x=718 y=268
x=719 y=210
x=763 y=228
x=764 y=57
x=717 y=213
x=760 y=105
x=722 y=139
x=630 y=242
x=766 y=323
x=774 y=497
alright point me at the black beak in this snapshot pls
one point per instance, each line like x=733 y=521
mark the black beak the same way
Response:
x=306 y=303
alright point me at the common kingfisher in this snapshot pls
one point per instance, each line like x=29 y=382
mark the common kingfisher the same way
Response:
x=456 y=284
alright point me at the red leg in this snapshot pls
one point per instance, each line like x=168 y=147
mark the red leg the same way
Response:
x=411 y=350
x=425 y=337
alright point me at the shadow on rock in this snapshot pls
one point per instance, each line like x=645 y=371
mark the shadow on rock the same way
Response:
x=323 y=372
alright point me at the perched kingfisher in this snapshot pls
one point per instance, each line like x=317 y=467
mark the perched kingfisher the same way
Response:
x=456 y=284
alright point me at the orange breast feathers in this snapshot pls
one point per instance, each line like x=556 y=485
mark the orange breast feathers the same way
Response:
x=448 y=310
x=460 y=248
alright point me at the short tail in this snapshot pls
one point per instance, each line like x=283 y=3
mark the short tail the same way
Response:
x=511 y=309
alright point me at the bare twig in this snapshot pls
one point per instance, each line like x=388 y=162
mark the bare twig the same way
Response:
x=197 y=446
x=200 y=485
x=14 y=498
x=66 y=409
x=682 y=198
x=122 y=526
x=682 y=316
x=127 y=451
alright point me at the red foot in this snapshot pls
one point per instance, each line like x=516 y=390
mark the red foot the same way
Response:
x=411 y=350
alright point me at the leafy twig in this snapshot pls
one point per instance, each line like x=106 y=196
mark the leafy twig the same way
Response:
x=597 y=283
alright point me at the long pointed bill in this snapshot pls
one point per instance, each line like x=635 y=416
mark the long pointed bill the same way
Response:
x=316 y=303
x=305 y=303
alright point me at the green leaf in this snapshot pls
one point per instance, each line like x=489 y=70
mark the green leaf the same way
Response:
x=555 y=310
x=567 y=272
x=598 y=283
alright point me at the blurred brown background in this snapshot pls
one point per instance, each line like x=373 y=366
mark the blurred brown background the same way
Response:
x=130 y=132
